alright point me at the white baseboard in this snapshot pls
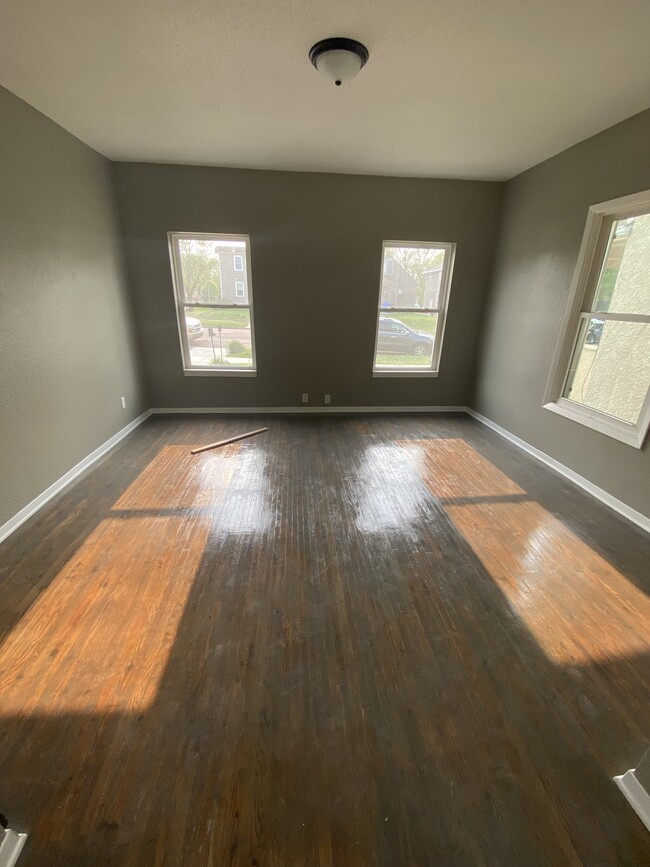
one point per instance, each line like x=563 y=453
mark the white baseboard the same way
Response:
x=38 y=502
x=618 y=505
x=299 y=410
x=638 y=797
x=10 y=847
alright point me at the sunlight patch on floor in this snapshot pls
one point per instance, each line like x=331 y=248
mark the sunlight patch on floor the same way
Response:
x=177 y=480
x=547 y=573
x=100 y=636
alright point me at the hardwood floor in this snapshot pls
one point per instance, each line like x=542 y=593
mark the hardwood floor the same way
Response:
x=345 y=642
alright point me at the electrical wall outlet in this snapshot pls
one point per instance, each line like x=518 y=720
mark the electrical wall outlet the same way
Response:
x=305 y=397
x=123 y=402
x=327 y=398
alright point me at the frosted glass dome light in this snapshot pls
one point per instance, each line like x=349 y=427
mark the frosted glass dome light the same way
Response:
x=339 y=58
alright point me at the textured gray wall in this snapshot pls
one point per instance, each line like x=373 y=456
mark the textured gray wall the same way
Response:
x=544 y=216
x=316 y=250
x=67 y=344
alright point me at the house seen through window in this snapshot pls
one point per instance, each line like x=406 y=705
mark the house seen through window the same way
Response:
x=214 y=302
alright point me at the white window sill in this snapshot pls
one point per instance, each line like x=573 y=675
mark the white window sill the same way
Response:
x=611 y=427
x=403 y=372
x=218 y=372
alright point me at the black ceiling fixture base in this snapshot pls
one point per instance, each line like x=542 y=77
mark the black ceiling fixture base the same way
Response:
x=338 y=43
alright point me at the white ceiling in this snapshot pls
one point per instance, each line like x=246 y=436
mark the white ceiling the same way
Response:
x=456 y=88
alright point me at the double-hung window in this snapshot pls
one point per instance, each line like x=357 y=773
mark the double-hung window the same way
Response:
x=601 y=371
x=413 y=298
x=214 y=303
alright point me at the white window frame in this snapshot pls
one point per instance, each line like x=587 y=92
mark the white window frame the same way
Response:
x=181 y=305
x=237 y=258
x=239 y=283
x=443 y=302
x=583 y=287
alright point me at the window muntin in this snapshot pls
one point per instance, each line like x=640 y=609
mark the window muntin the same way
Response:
x=601 y=373
x=214 y=303
x=413 y=297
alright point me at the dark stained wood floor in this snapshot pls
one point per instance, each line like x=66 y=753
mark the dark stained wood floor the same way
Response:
x=386 y=641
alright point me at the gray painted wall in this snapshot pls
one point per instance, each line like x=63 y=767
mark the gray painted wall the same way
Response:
x=544 y=216
x=316 y=260
x=67 y=345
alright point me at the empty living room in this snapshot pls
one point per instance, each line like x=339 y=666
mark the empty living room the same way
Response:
x=324 y=433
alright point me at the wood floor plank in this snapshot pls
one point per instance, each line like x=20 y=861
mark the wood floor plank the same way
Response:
x=348 y=643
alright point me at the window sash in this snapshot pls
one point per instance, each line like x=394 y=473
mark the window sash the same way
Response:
x=392 y=309
x=615 y=317
x=587 y=316
x=604 y=239
x=229 y=306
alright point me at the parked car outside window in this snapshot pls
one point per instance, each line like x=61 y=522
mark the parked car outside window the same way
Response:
x=194 y=328
x=394 y=336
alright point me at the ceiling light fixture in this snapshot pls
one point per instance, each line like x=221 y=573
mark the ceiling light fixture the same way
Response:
x=339 y=58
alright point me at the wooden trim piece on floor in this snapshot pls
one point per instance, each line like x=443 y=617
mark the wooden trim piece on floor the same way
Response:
x=10 y=847
x=301 y=410
x=619 y=506
x=38 y=502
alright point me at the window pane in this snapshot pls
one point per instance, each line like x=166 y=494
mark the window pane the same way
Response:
x=624 y=281
x=610 y=368
x=213 y=271
x=405 y=340
x=219 y=338
x=411 y=277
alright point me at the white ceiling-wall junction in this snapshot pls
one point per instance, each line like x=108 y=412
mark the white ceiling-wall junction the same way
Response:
x=455 y=88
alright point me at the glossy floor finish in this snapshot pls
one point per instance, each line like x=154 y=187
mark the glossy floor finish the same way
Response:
x=345 y=642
